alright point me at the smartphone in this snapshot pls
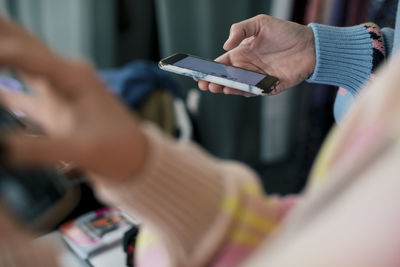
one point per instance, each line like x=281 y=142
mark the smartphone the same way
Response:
x=215 y=72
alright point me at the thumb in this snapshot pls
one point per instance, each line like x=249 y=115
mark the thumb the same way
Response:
x=240 y=31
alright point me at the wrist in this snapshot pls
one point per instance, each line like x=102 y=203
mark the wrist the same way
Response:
x=311 y=51
x=130 y=159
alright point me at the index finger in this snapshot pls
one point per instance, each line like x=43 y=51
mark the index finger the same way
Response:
x=242 y=30
x=21 y=50
x=24 y=53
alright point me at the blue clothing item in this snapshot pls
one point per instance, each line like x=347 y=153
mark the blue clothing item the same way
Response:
x=388 y=36
x=343 y=101
x=383 y=12
x=344 y=57
x=134 y=82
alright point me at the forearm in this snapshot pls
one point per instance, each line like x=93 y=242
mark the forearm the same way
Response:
x=195 y=203
x=176 y=194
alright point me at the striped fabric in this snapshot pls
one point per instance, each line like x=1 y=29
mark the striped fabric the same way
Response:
x=255 y=219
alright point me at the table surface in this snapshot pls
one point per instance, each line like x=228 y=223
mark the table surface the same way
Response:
x=112 y=257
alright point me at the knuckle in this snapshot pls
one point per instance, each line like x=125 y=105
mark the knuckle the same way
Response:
x=234 y=27
x=261 y=16
x=83 y=68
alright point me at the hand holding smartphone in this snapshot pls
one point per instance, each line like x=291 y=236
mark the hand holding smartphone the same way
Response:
x=215 y=72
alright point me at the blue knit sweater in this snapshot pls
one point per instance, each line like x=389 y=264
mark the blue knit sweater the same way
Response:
x=344 y=57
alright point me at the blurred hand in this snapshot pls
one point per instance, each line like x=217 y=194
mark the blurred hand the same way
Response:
x=268 y=45
x=83 y=122
x=17 y=247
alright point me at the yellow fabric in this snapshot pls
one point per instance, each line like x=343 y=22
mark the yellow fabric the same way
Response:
x=324 y=158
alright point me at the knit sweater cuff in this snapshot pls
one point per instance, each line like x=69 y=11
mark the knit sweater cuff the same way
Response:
x=344 y=56
x=178 y=196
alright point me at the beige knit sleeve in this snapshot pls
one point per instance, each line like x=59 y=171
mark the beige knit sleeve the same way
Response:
x=178 y=195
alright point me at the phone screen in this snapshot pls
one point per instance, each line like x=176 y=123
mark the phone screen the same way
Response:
x=220 y=70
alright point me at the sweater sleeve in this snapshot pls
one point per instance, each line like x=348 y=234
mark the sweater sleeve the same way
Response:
x=200 y=211
x=388 y=37
x=346 y=56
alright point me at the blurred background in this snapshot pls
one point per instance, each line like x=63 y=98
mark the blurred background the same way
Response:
x=278 y=136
